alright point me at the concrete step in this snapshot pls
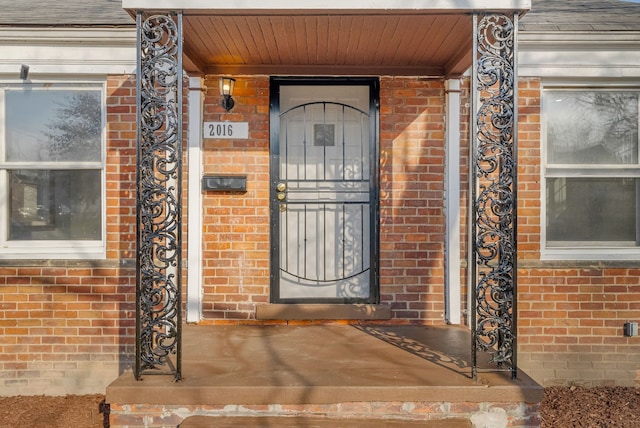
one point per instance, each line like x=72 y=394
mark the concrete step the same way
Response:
x=314 y=422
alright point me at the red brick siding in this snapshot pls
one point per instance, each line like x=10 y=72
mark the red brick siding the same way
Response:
x=121 y=168
x=571 y=324
x=571 y=314
x=412 y=222
x=529 y=161
x=236 y=225
x=69 y=326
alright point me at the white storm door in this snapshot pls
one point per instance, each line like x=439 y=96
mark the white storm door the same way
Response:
x=323 y=204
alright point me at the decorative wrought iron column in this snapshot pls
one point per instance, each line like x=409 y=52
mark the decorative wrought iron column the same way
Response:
x=493 y=263
x=159 y=192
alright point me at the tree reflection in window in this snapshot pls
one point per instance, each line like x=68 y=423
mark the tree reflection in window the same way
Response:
x=75 y=131
x=55 y=195
x=590 y=199
x=592 y=127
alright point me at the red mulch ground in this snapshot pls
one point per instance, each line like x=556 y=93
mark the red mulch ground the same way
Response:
x=604 y=407
x=69 y=411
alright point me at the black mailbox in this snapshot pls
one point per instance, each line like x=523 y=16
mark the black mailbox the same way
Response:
x=227 y=183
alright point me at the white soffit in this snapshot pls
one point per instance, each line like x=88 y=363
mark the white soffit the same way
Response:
x=340 y=6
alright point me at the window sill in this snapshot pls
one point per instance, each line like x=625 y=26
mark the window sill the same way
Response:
x=53 y=250
x=567 y=263
x=591 y=254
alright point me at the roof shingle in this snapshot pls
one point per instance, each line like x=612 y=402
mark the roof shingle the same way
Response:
x=63 y=13
x=582 y=15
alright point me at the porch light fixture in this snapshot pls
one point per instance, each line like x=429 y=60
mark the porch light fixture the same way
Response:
x=226 y=90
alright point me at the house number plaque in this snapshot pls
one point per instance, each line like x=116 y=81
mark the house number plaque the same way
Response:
x=226 y=130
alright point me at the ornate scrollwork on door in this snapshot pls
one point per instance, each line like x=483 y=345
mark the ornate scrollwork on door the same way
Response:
x=159 y=177
x=494 y=172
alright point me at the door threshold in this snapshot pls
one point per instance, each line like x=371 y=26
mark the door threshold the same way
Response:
x=322 y=311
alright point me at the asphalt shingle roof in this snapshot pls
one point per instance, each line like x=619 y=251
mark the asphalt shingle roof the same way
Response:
x=582 y=15
x=63 y=12
x=545 y=15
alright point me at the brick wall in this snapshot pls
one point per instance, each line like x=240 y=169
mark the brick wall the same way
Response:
x=68 y=326
x=571 y=314
x=64 y=329
x=236 y=226
x=529 y=172
x=412 y=222
x=570 y=324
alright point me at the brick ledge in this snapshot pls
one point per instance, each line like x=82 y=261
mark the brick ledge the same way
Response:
x=322 y=312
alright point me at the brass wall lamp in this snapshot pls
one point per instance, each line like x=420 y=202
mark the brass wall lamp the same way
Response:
x=226 y=90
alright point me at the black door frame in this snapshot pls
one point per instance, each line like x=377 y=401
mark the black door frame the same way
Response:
x=374 y=214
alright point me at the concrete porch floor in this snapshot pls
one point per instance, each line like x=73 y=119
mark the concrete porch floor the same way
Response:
x=227 y=366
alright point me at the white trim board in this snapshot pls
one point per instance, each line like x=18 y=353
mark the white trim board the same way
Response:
x=579 y=54
x=80 y=51
x=453 y=287
x=361 y=6
x=194 y=220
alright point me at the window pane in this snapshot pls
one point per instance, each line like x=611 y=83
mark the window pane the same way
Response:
x=592 y=127
x=55 y=205
x=53 y=125
x=591 y=210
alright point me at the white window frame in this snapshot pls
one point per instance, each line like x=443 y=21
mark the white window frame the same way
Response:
x=54 y=249
x=615 y=251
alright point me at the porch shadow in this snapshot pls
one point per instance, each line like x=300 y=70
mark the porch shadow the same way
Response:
x=420 y=342
x=447 y=347
x=268 y=365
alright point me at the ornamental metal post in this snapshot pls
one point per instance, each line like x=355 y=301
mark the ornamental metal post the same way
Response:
x=159 y=193
x=493 y=263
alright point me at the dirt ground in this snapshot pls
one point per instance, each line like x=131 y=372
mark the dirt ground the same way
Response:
x=604 y=407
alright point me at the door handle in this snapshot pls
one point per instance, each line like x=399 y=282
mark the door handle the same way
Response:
x=281 y=196
x=281 y=187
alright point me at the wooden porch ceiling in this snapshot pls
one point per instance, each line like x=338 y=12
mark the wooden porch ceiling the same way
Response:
x=328 y=37
x=311 y=43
